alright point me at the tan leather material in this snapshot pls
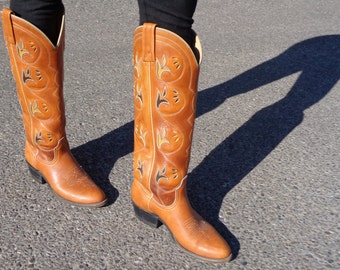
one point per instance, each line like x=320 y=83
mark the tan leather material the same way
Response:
x=37 y=66
x=165 y=90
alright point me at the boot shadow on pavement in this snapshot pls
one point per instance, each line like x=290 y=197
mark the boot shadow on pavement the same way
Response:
x=318 y=61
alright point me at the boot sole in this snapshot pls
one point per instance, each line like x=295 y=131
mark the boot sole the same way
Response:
x=40 y=178
x=155 y=222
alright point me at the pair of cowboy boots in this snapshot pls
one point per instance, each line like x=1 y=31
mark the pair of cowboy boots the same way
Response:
x=165 y=89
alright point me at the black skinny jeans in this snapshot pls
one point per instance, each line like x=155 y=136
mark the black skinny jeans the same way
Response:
x=174 y=15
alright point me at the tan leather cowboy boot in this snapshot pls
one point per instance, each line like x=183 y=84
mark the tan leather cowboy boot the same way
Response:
x=37 y=66
x=165 y=90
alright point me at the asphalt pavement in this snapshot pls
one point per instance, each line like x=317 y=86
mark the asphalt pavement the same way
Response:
x=265 y=158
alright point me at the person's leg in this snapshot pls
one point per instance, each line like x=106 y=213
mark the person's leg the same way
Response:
x=165 y=91
x=174 y=15
x=37 y=66
x=44 y=14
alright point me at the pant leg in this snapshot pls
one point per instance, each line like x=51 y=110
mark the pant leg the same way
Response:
x=44 y=14
x=174 y=15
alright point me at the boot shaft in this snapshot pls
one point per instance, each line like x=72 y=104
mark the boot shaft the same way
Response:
x=165 y=91
x=37 y=67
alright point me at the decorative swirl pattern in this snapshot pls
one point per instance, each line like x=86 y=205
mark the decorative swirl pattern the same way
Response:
x=164 y=116
x=40 y=90
x=28 y=51
x=34 y=78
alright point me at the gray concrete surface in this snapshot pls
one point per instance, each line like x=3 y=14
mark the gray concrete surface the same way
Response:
x=265 y=157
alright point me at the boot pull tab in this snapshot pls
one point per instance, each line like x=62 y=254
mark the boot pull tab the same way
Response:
x=7 y=25
x=149 y=40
